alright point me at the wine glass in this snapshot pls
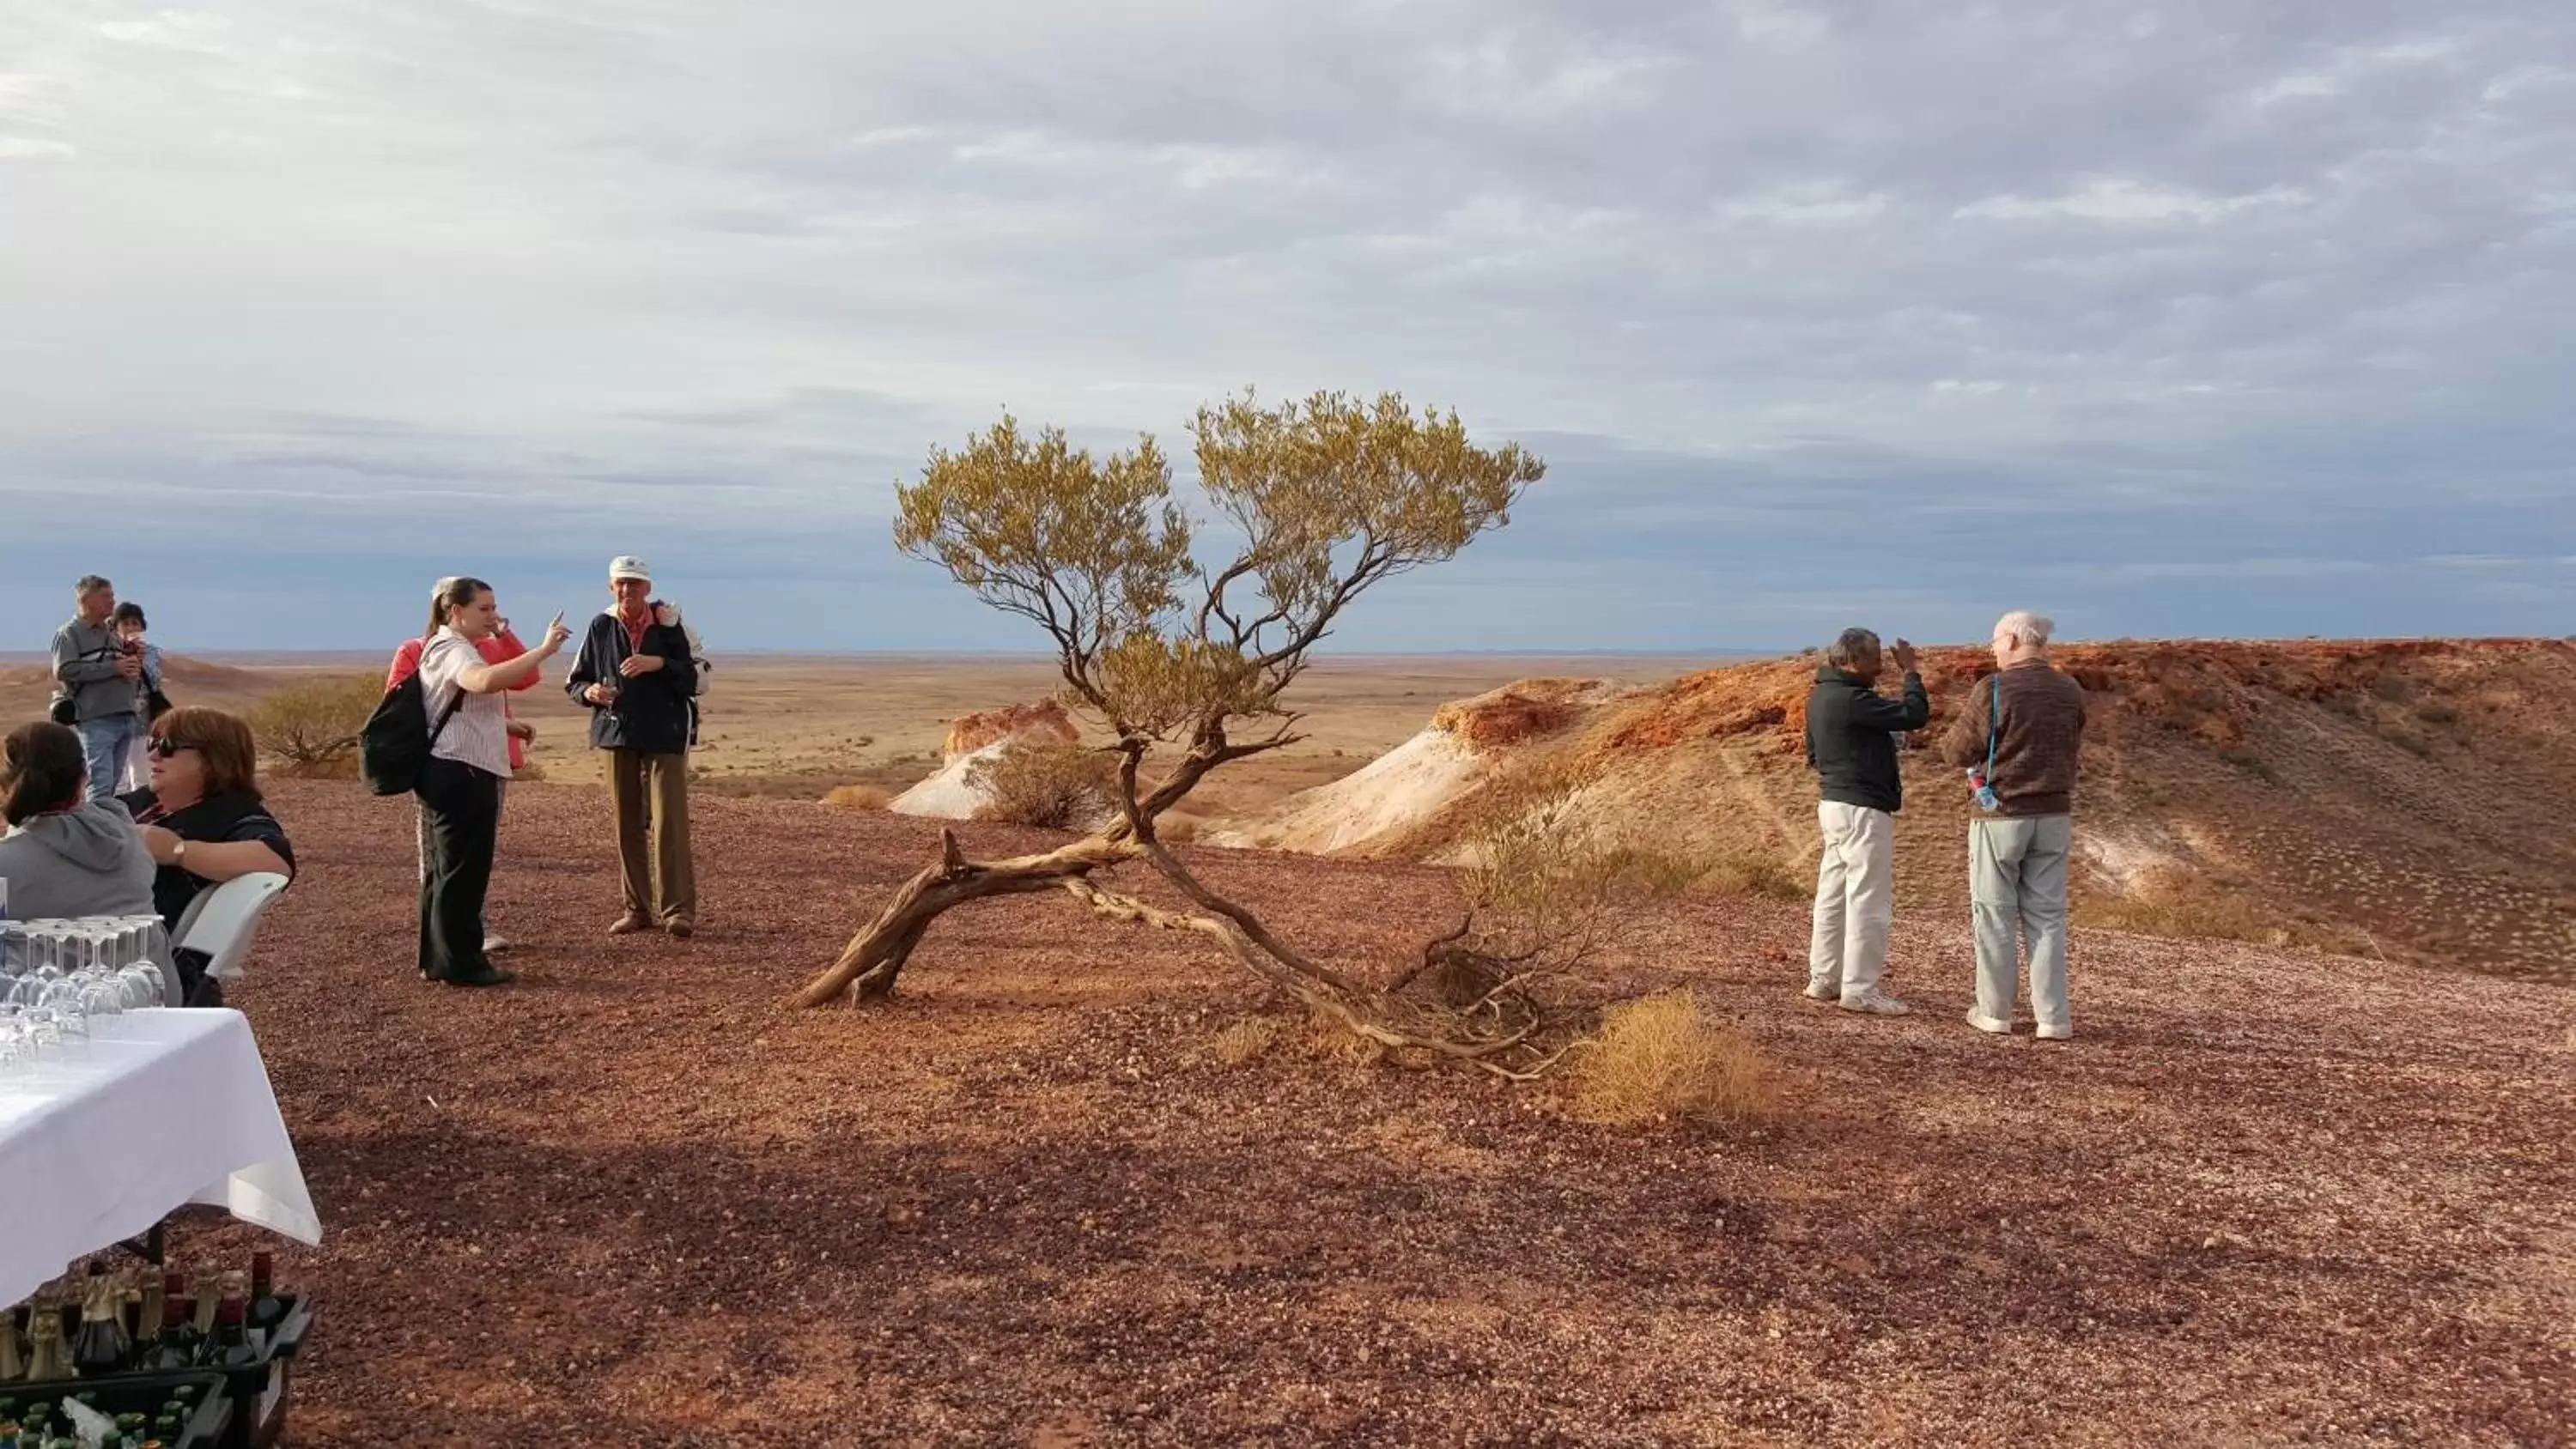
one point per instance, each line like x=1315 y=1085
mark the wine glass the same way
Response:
x=62 y=999
x=44 y=952
x=102 y=1002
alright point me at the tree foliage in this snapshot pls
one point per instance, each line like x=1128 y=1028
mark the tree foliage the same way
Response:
x=1323 y=498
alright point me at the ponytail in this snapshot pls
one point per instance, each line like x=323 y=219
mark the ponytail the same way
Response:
x=41 y=768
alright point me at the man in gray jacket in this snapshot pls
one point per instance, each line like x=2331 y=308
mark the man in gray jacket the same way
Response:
x=95 y=675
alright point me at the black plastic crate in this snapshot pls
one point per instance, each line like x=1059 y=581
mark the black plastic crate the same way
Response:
x=259 y=1389
x=209 y=1426
x=254 y=1395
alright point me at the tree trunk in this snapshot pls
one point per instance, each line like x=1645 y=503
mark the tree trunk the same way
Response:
x=868 y=965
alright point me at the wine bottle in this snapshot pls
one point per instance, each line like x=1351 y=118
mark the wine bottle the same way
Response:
x=267 y=1310
x=176 y=1345
x=148 y=1309
x=48 y=1357
x=101 y=1344
x=206 y=1285
x=13 y=1358
x=231 y=1346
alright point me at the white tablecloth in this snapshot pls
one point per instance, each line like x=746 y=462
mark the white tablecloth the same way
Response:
x=169 y=1107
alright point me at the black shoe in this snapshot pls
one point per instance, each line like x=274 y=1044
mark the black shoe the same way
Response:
x=489 y=976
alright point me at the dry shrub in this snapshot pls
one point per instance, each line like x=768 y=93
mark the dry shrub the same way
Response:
x=858 y=797
x=1748 y=874
x=1045 y=783
x=1244 y=1041
x=531 y=773
x=1662 y=1057
x=311 y=729
x=2210 y=915
x=1177 y=829
x=2252 y=764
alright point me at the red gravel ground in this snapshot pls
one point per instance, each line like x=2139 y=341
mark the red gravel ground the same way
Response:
x=2267 y=1197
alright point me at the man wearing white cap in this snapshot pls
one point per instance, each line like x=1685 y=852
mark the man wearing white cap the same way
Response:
x=639 y=679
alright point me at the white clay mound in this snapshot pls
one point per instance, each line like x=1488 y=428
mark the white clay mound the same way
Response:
x=1401 y=788
x=1468 y=743
x=946 y=795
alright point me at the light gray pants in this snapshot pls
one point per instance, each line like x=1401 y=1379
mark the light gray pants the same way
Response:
x=2017 y=878
x=1855 y=902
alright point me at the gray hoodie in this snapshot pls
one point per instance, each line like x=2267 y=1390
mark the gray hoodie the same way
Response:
x=85 y=658
x=84 y=862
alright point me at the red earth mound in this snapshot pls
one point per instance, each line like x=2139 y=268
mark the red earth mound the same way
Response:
x=1525 y=710
x=1047 y=719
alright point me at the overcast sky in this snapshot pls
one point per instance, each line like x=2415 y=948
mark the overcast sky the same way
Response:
x=2209 y=317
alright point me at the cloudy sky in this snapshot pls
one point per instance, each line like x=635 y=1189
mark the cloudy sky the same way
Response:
x=2194 y=318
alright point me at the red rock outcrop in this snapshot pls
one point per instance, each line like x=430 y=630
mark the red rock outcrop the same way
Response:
x=1046 y=720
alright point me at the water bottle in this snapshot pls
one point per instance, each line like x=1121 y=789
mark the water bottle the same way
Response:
x=1986 y=797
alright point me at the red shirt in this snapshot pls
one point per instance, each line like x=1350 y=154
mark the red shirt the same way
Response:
x=501 y=648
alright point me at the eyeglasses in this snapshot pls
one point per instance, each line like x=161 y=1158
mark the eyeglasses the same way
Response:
x=164 y=749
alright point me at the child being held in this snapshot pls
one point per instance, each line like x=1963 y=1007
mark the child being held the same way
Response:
x=150 y=702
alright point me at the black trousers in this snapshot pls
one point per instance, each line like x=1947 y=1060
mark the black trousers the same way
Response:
x=463 y=807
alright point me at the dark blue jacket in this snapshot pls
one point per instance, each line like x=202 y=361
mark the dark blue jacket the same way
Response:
x=657 y=712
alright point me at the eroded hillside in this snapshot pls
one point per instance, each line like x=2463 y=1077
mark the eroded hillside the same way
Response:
x=2413 y=800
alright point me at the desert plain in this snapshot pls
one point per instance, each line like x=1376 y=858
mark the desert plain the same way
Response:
x=1080 y=1184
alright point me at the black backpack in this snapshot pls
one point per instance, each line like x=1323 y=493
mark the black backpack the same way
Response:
x=393 y=749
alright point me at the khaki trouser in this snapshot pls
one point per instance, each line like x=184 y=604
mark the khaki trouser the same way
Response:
x=1855 y=899
x=652 y=796
x=2017 y=878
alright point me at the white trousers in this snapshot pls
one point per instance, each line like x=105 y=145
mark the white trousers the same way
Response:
x=1855 y=900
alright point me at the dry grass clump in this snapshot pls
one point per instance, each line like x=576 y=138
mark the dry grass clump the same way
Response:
x=1244 y=1041
x=311 y=729
x=1755 y=875
x=2211 y=916
x=2176 y=904
x=858 y=797
x=1662 y=1057
x=1177 y=829
x=1047 y=784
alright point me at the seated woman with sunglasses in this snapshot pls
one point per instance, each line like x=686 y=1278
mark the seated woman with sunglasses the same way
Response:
x=203 y=821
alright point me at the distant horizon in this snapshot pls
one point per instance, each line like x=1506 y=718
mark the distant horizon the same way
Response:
x=20 y=658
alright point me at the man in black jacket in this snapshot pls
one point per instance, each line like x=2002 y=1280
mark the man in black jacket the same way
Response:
x=640 y=682
x=1851 y=743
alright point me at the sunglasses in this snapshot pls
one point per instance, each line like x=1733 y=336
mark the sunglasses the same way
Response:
x=164 y=749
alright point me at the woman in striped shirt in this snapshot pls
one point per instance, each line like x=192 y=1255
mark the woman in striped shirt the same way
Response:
x=460 y=791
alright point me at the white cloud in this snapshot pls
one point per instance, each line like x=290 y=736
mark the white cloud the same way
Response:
x=2123 y=200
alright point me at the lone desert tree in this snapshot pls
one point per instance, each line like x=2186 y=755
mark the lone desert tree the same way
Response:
x=1325 y=498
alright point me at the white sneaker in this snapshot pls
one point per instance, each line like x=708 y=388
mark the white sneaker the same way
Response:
x=1989 y=1025
x=1819 y=991
x=2056 y=1033
x=495 y=945
x=1874 y=1002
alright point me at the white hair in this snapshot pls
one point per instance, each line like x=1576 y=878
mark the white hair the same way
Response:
x=2023 y=628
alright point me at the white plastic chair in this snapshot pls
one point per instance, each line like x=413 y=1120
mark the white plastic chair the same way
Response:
x=221 y=922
